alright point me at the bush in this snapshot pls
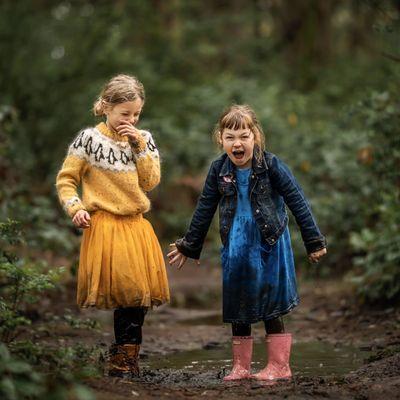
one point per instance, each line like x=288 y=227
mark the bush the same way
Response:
x=378 y=274
x=31 y=370
x=21 y=282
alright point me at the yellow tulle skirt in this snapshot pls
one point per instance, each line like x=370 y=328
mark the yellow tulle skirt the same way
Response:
x=121 y=264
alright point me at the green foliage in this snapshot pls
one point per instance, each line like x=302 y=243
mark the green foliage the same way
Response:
x=378 y=275
x=301 y=66
x=20 y=377
x=33 y=370
x=75 y=322
x=41 y=222
x=21 y=282
x=18 y=380
x=65 y=363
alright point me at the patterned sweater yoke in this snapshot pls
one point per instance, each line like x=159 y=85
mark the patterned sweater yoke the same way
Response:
x=115 y=173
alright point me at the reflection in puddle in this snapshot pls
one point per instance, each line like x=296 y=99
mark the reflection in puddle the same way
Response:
x=308 y=359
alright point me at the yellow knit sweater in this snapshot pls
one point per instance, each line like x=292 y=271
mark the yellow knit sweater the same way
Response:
x=115 y=175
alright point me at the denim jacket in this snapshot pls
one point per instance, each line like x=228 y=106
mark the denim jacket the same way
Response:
x=272 y=185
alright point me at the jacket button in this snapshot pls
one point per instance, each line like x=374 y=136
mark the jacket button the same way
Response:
x=265 y=226
x=257 y=211
x=272 y=240
x=253 y=176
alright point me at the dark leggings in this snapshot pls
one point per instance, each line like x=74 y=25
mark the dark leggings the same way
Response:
x=271 y=326
x=128 y=322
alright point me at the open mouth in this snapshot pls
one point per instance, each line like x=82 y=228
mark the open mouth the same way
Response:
x=238 y=154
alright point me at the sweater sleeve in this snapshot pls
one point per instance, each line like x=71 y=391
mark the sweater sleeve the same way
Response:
x=67 y=182
x=147 y=161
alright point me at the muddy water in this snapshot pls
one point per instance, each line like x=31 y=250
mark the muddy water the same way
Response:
x=209 y=366
x=316 y=358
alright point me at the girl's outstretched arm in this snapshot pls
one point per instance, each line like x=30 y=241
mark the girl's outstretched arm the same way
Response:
x=192 y=243
x=287 y=186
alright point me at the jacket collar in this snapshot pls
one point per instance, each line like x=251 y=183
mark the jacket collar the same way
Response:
x=258 y=167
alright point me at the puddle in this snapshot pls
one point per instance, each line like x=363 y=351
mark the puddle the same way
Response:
x=308 y=359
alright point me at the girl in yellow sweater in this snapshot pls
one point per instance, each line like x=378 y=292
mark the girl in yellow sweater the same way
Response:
x=121 y=265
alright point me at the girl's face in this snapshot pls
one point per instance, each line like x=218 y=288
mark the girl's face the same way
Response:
x=238 y=145
x=128 y=111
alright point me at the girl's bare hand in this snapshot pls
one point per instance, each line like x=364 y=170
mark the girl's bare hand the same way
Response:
x=127 y=129
x=317 y=255
x=176 y=257
x=81 y=219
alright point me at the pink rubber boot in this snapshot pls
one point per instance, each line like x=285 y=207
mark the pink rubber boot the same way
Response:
x=278 y=348
x=242 y=349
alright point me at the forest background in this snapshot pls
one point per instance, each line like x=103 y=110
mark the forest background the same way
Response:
x=323 y=77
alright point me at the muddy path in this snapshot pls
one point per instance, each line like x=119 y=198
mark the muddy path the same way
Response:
x=340 y=351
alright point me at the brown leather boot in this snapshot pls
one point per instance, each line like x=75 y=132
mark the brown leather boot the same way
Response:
x=132 y=352
x=124 y=360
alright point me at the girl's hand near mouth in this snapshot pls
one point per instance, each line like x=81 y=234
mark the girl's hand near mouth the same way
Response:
x=127 y=129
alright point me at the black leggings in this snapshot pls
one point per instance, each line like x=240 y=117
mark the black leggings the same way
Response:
x=271 y=326
x=128 y=322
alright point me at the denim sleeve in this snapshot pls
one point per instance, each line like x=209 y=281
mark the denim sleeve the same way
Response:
x=192 y=243
x=287 y=186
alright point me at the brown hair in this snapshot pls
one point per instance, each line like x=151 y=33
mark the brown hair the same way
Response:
x=241 y=116
x=119 y=89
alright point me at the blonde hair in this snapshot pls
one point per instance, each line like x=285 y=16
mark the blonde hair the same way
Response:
x=241 y=116
x=119 y=89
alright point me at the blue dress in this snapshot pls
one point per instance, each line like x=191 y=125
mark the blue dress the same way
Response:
x=259 y=281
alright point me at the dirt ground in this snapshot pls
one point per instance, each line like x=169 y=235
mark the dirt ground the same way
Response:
x=327 y=314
